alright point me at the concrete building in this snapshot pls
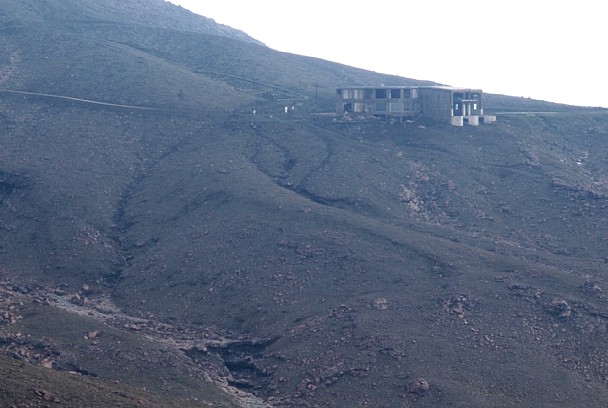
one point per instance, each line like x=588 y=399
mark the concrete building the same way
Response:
x=457 y=106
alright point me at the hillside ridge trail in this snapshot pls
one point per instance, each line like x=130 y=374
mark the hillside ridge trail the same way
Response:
x=70 y=98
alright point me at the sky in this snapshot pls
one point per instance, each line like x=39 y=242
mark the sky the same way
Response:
x=540 y=49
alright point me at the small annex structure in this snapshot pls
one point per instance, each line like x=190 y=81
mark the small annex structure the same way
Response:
x=458 y=106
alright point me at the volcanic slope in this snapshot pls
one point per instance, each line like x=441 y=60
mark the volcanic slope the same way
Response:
x=283 y=259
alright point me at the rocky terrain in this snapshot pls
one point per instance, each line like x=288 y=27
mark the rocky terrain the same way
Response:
x=169 y=236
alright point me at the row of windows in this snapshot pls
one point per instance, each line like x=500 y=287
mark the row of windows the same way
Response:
x=379 y=93
x=396 y=107
x=457 y=106
x=400 y=93
x=393 y=107
x=409 y=106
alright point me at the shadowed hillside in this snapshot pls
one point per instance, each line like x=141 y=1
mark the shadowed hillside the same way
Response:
x=155 y=232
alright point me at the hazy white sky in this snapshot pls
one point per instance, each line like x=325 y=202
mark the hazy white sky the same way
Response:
x=551 y=50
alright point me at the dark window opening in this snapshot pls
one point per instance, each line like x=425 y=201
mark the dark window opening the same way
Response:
x=368 y=94
x=395 y=93
x=457 y=109
x=380 y=93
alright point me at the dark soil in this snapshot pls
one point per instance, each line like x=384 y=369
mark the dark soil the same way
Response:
x=197 y=254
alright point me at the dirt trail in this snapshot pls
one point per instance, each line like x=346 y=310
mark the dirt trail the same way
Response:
x=180 y=338
x=103 y=309
x=75 y=99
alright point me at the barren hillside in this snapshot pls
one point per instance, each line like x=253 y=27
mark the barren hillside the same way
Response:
x=157 y=234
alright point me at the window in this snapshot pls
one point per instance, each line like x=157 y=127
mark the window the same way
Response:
x=395 y=93
x=380 y=106
x=380 y=93
x=394 y=107
x=368 y=93
x=357 y=93
x=407 y=93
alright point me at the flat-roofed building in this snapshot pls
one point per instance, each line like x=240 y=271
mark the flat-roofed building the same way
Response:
x=458 y=106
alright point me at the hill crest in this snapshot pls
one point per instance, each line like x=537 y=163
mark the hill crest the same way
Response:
x=158 y=14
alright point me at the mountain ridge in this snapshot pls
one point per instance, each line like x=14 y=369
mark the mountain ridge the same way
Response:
x=155 y=13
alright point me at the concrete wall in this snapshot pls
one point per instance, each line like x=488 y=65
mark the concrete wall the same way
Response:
x=436 y=103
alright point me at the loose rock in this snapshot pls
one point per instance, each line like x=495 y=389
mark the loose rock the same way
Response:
x=560 y=308
x=380 y=304
x=418 y=386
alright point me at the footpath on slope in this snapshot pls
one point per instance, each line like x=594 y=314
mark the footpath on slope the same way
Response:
x=76 y=99
x=178 y=337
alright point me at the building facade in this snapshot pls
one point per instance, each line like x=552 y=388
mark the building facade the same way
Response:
x=458 y=106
